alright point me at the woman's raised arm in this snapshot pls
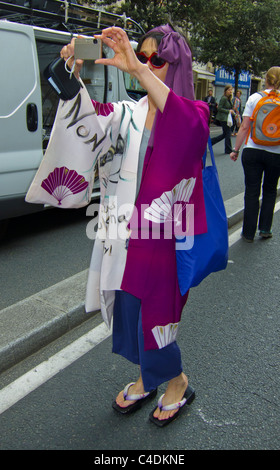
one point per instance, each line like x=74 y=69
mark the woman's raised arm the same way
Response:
x=125 y=59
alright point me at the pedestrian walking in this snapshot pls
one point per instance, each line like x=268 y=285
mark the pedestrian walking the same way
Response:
x=225 y=112
x=211 y=100
x=237 y=111
x=261 y=162
x=157 y=146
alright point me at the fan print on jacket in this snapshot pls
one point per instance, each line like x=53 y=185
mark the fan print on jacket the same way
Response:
x=165 y=335
x=63 y=182
x=170 y=205
x=85 y=144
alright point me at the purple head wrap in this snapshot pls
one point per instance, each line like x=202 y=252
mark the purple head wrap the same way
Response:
x=174 y=49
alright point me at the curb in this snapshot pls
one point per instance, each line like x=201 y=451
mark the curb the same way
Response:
x=234 y=209
x=32 y=323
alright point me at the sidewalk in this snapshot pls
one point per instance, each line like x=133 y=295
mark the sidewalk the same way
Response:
x=34 y=322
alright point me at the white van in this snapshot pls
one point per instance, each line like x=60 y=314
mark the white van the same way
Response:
x=27 y=102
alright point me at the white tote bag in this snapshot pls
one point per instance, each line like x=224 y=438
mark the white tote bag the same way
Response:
x=229 y=120
x=66 y=174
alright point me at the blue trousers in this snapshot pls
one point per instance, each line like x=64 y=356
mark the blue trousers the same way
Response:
x=157 y=365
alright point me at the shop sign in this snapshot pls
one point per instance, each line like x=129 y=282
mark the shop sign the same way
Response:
x=222 y=77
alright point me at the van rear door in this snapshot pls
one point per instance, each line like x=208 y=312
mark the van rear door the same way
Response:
x=20 y=116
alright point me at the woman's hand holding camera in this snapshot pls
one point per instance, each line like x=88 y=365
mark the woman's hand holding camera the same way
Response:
x=67 y=53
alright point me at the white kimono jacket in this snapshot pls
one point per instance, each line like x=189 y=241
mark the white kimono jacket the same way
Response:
x=83 y=137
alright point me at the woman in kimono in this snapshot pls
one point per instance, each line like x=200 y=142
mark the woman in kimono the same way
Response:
x=151 y=149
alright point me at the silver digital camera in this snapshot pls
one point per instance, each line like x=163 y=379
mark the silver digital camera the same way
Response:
x=88 y=48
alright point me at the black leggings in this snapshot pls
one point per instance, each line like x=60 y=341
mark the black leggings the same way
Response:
x=225 y=135
x=258 y=164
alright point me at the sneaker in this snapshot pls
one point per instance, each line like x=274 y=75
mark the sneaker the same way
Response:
x=248 y=240
x=265 y=234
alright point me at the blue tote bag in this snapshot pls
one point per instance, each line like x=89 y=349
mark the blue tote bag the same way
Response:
x=209 y=251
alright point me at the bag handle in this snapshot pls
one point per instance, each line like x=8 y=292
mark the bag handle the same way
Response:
x=211 y=154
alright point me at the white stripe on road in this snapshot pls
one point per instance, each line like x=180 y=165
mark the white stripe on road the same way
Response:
x=28 y=382
x=277 y=207
x=234 y=237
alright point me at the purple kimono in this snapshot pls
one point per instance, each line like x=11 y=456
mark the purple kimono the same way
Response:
x=180 y=139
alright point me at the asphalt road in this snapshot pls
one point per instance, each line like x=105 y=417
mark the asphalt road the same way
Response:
x=229 y=339
x=40 y=250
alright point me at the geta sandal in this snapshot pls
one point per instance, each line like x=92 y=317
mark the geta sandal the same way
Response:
x=140 y=398
x=187 y=399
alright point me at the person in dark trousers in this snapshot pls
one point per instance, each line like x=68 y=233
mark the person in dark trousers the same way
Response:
x=211 y=103
x=224 y=109
x=260 y=163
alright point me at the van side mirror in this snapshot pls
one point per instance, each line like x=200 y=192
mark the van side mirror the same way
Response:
x=32 y=117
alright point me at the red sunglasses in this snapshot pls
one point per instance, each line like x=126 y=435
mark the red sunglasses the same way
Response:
x=154 y=59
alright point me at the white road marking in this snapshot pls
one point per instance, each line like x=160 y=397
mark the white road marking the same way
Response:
x=277 y=207
x=234 y=237
x=28 y=382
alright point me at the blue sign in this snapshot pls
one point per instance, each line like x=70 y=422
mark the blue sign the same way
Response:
x=222 y=77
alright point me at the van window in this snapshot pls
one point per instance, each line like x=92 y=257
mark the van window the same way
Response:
x=91 y=74
x=47 y=52
x=133 y=87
